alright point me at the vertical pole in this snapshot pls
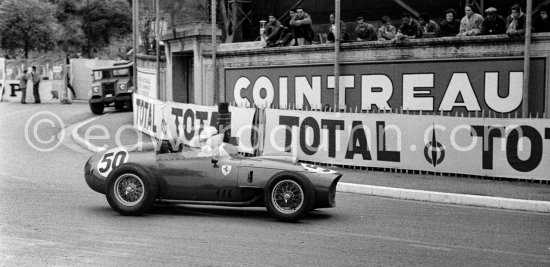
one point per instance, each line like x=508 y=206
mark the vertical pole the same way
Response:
x=526 y=59
x=337 y=56
x=135 y=27
x=65 y=74
x=157 y=43
x=214 y=68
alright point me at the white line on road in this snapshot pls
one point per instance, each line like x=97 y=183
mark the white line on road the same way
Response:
x=82 y=141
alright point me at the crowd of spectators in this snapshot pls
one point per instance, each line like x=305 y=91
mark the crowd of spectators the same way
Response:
x=297 y=28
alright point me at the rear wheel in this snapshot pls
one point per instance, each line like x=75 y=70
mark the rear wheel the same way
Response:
x=131 y=190
x=289 y=198
x=97 y=108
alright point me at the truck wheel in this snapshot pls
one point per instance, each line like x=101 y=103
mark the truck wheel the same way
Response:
x=97 y=108
x=289 y=197
x=130 y=106
x=131 y=189
x=119 y=105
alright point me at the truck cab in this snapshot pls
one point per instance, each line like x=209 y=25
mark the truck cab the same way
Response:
x=112 y=85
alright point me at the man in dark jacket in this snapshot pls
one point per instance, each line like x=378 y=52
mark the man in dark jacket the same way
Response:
x=365 y=31
x=301 y=27
x=410 y=28
x=272 y=31
x=493 y=23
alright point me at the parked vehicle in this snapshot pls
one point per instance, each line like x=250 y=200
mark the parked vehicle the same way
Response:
x=112 y=85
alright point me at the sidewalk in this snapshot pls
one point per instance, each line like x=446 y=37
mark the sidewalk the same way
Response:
x=516 y=195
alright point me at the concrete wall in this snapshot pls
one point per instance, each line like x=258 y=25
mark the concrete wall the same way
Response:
x=250 y=55
x=196 y=41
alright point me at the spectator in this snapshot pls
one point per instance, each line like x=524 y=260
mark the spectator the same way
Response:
x=332 y=30
x=365 y=31
x=471 y=23
x=409 y=28
x=428 y=27
x=35 y=85
x=515 y=23
x=287 y=38
x=450 y=26
x=23 y=86
x=301 y=27
x=386 y=32
x=493 y=23
x=272 y=31
x=542 y=23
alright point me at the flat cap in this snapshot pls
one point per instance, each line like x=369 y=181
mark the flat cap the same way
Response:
x=491 y=9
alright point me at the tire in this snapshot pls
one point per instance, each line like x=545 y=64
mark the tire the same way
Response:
x=119 y=105
x=131 y=190
x=130 y=106
x=289 y=197
x=97 y=108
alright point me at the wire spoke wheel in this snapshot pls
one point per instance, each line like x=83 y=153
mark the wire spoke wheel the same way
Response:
x=287 y=196
x=129 y=189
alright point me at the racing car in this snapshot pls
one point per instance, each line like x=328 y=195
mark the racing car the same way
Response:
x=208 y=171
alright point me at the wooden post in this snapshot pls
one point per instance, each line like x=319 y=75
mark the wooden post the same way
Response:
x=157 y=43
x=337 y=55
x=526 y=59
x=214 y=44
x=135 y=27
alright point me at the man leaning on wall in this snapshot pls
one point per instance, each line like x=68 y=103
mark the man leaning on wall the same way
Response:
x=301 y=27
x=470 y=23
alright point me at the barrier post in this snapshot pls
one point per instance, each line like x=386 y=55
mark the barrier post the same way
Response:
x=337 y=55
x=224 y=121
x=526 y=59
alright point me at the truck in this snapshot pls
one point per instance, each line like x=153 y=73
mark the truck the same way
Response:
x=112 y=85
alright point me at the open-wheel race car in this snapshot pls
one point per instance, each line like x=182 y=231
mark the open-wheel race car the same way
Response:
x=210 y=172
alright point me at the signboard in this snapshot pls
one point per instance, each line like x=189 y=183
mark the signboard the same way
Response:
x=169 y=120
x=489 y=147
x=515 y=148
x=458 y=86
x=147 y=82
x=57 y=72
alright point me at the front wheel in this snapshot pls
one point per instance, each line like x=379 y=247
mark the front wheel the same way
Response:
x=289 y=198
x=97 y=108
x=119 y=105
x=131 y=190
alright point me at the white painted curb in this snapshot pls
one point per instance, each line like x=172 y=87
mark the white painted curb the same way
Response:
x=81 y=141
x=448 y=198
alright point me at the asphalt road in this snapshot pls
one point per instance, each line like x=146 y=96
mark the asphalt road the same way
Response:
x=48 y=216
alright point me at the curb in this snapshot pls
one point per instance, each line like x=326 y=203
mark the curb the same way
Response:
x=446 y=198
x=390 y=192
x=81 y=141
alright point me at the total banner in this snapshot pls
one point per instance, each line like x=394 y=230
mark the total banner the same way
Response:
x=512 y=148
x=169 y=121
